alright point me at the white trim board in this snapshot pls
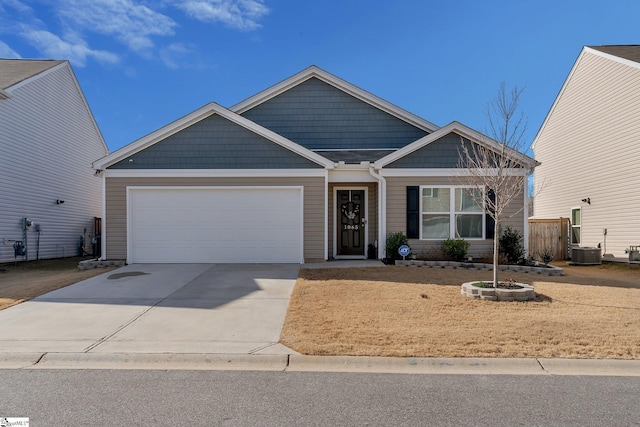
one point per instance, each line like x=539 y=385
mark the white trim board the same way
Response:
x=214 y=173
x=314 y=71
x=198 y=115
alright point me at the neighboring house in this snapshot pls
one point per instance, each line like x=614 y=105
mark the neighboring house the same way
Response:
x=589 y=147
x=311 y=169
x=49 y=195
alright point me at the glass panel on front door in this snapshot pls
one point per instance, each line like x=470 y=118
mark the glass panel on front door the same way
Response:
x=350 y=222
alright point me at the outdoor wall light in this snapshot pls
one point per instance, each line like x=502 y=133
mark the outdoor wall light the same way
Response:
x=587 y=200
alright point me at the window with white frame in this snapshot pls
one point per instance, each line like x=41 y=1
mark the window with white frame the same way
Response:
x=576 y=220
x=451 y=212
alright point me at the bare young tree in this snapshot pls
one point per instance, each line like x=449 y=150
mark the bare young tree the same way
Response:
x=495 y=172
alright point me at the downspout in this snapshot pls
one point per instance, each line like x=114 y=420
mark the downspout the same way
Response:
x=526 y=214
x=326 y=215
x=382 y=211
x=103 y=222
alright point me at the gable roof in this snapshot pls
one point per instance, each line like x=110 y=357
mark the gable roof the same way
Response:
x=461 y=130
x=625 y=54
x=197 y=116
x=314 y=71
x=14 y=71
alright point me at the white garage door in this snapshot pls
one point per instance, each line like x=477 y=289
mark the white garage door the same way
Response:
x=215 y=225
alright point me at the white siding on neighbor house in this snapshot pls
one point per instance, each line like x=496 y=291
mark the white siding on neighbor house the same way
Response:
x=48 y=140
x=589 y=147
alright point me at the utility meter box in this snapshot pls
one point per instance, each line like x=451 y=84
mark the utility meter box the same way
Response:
x=19 y=248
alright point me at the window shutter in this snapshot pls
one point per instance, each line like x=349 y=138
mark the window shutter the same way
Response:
x=413 y=212
x=490 y=223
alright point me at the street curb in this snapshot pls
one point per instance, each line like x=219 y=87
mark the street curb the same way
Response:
x=413 y=365
x=302 y=363
x=19 y=360
x=602 y=367
x=164 y=361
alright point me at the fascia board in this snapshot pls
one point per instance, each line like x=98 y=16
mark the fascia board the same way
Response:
x=86 y=105
x=560 y=93
x=612 y=57
x=155 y=136
x=408 y=149
x=4 y=95
x=83 y=99
x=277 y=138
x=461 y=130
x=196 y=116
x=214 y=173
x=340 y=84
x=445 y=172
x=43 y=73
x=585 y=50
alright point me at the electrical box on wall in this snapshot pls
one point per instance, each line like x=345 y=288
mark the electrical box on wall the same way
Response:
x=38 y=228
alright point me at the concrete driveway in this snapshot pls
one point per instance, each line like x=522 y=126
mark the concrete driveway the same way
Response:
x=158 y=308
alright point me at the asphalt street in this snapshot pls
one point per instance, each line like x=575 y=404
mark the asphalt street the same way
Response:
x=250 y=398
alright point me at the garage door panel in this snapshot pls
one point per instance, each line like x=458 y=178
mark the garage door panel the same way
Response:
x=215 y=225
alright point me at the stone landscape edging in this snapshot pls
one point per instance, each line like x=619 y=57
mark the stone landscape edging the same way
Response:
x=545 y=271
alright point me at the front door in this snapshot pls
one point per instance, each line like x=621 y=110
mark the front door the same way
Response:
x=350 y=223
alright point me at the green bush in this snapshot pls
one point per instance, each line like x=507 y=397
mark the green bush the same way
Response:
x=455 y=249
x=511 y=245
x=394 y=241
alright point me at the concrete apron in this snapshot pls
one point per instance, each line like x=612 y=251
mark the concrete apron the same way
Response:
x=158 y=308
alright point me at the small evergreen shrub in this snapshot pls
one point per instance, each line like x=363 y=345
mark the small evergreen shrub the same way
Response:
x=511 y=245
x=394 y=241
x=455 y=249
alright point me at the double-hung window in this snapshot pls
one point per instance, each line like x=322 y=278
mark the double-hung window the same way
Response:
x=576 y=220
x=451 y=212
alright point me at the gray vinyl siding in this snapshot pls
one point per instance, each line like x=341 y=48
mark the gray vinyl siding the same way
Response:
x=48 y=141
x=116 y=211
x=441 y=153
x=215 y=143
x=589 y=148
x=397 y=216
x=371 y=215
x=319 y=116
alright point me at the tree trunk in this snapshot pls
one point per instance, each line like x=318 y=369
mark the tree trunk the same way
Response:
x=496 y=246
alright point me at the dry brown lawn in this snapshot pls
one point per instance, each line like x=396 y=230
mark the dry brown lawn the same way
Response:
x=590 y=312
x=27 y=280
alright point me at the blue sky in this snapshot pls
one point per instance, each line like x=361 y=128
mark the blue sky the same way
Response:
x=144 y=63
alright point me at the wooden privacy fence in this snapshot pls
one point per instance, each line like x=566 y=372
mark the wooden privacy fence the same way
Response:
x=551 y=234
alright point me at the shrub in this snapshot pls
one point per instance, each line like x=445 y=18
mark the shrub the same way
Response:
x=511 y=245
x=455 y=249
x=546 y=255
x=394 y=241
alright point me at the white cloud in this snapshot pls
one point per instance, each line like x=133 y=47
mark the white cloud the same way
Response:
x=171 y=54
x=7 y=52
x=240 y=14
x=76 y=51
x=16 y=4
x=131 y=23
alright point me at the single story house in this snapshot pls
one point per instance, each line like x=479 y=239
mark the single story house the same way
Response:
x=308 y=170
